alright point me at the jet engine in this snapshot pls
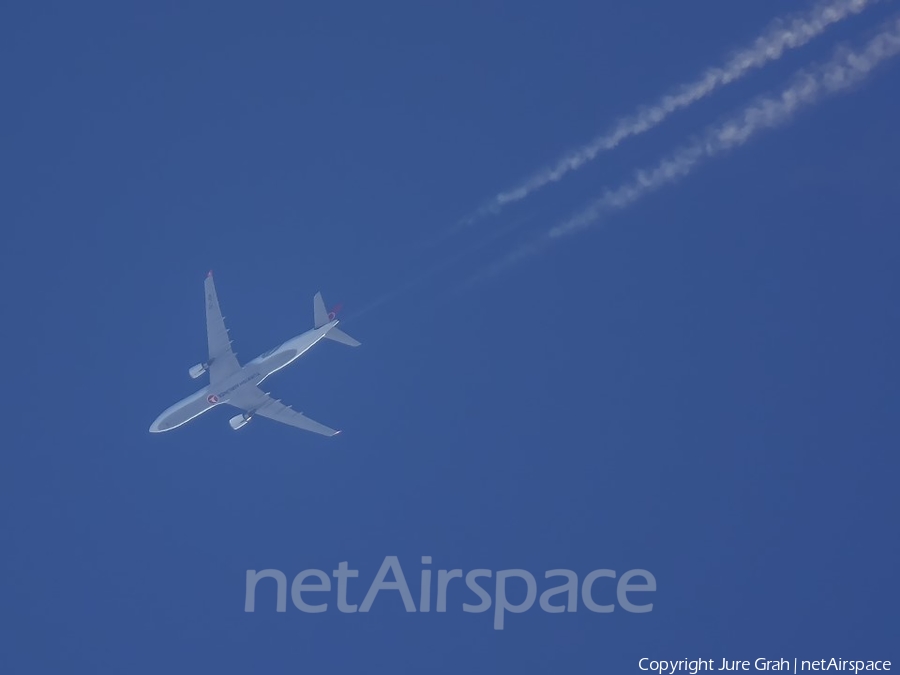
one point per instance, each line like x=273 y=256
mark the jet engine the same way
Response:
x=198 y=370
x=238 y=421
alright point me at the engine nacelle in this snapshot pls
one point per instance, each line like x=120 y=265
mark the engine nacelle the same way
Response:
x=238 y=421
x=198 y=370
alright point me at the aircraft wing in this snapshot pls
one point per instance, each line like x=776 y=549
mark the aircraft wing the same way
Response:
x=256 y=402
x=222 y=360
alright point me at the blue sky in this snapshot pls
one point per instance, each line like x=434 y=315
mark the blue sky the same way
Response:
x=704 y=385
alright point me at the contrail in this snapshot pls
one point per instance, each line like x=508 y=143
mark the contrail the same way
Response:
x=435 y=269
x=779 y=36
x=846 y=69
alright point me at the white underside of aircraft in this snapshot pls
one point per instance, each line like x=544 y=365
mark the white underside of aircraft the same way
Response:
x=238 y=386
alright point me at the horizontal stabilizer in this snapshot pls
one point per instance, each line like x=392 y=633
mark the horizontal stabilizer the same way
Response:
x=338 y=335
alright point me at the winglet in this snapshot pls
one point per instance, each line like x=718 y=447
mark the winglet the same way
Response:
x=209 y=274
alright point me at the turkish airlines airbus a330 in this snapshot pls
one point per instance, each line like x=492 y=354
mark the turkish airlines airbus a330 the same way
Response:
x=237 y=385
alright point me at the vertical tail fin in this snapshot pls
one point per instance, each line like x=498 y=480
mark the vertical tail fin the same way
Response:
x=320 y=314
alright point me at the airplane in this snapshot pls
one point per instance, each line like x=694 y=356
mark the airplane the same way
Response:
x=238 y=386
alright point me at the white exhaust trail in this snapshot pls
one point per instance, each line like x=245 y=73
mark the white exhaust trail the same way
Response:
x=778 y=37
x=846 y=69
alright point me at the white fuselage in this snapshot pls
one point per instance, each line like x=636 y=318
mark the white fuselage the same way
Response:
x=250 y=375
